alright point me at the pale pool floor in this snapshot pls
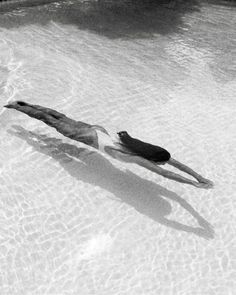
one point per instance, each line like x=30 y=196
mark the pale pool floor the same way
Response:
x=75 y=222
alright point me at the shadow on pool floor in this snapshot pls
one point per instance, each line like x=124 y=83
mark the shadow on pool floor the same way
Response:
x=145 y=196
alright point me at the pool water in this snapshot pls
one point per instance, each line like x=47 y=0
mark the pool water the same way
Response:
x=74 y=221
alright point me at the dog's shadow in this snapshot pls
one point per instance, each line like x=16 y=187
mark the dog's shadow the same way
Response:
x=145 y=196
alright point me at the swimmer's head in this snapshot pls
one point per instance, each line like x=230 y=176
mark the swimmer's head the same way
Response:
x=123 y=134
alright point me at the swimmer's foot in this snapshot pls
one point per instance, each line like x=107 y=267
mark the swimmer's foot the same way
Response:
x=15 y=104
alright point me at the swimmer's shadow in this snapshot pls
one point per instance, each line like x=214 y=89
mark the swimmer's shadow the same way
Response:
x=145 y=196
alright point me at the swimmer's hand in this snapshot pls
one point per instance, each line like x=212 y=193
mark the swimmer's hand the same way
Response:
x=204 y=183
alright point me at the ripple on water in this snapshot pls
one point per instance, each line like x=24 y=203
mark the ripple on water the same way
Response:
x=4 y=73
x=11 y=79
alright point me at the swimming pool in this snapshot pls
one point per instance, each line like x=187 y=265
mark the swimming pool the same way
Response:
x=76 y=222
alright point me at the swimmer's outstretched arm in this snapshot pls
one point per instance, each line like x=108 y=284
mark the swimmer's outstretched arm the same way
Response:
x=188 y=170
x=154 y=168
x=171 y=175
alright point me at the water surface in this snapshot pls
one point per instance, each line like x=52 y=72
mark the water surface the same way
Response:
x=74 y=221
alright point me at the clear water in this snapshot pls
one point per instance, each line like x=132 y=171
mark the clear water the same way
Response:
x=76 y=222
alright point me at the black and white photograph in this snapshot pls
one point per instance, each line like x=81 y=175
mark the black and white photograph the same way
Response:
x=118 y=147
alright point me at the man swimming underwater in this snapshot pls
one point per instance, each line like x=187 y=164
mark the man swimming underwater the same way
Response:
x=122 y=147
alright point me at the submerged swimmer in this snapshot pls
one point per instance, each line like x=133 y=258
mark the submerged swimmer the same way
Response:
x=122 y=147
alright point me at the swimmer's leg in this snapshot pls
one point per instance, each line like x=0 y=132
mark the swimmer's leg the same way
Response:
x=189 y=171
x=75 y=130
x=44 y=114
x=34 y=111
x=55 y=114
